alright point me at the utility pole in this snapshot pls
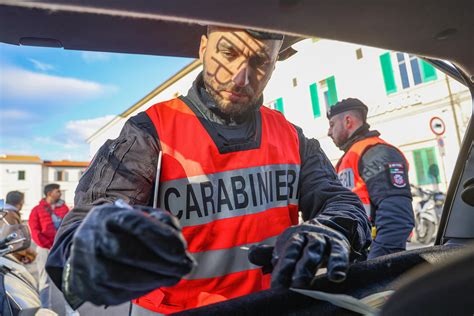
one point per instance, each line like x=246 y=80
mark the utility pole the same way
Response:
x=453 y=108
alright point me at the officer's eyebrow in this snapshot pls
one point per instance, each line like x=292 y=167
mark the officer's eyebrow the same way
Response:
x=225 y=44
x=260 y=51
x=262 y=54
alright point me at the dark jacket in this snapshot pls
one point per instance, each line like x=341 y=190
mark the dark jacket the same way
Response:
x=391 y=204
x=122 y=168
x=13 y=216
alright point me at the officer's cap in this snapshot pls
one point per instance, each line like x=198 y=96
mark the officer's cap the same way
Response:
x=348 y=105
x=261 y=35
x=264 y=35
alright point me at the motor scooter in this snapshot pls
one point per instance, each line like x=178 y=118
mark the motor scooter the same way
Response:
x=427 y=213
x=18 y=288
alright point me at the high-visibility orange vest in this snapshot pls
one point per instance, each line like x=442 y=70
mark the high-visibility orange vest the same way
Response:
x=347 y=169
x=225 y=203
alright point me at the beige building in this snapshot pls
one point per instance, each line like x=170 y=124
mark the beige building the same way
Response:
x=24 y=174
x=65 y=173
x=29 y=175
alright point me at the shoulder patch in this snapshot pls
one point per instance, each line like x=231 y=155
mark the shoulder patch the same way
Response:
x=397 y=175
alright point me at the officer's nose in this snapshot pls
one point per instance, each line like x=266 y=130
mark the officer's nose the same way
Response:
x=241 y=77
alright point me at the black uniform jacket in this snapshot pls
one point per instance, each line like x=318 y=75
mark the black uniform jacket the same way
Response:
x=122 y=169
x=389 y=193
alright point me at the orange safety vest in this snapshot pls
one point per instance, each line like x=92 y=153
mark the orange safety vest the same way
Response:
x=348 y=170
x=225 y=203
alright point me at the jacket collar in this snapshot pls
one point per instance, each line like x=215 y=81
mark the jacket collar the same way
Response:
x=359 y=134
x=43 y=203
x=9 y=207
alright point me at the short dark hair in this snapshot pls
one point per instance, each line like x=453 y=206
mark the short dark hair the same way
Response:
x=14 y=197
x=50 y=187
x=359 y=114
x=256 y=34
x=348 y=105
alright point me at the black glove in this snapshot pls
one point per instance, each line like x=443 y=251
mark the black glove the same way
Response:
x=120 y=253
x=300 y=251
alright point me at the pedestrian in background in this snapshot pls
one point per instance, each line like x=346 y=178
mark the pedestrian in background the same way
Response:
x=377 y=172
x=13 y=204
x=44 y=221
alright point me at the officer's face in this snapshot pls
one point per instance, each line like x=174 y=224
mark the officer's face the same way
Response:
x=338 y=130
x=237 y=68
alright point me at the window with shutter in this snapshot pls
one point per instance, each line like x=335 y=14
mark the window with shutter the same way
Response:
x=387 y=72
x=313 y=91
x=425 y=160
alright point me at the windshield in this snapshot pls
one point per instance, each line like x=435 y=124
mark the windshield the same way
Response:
x=58 y=107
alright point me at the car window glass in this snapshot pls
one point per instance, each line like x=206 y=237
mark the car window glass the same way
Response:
x=63 y=105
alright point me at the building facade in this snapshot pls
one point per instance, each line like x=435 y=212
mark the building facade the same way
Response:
x=409 y=101
x=29 y=175
x=65 y=173
x=24 y=174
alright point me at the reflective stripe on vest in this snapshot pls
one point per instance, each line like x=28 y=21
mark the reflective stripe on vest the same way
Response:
x=239 y=254
x=225 y=203
x=367 y=209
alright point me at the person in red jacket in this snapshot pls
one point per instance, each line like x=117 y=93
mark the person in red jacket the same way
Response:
x=44 y=221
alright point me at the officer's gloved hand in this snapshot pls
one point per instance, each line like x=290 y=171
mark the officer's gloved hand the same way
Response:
x=120 y=253
x=300 y=251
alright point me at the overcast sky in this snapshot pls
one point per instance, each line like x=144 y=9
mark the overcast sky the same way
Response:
x=52 y=99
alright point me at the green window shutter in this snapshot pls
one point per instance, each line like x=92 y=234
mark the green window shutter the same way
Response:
x=331 y=82
x=420 y=174
x=424 y=159
x=313 y=90
x=387 y=71
x=279 y=105
x=427 y=71
x=431 y=160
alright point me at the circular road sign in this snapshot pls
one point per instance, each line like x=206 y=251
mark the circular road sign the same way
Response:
x=437 y=126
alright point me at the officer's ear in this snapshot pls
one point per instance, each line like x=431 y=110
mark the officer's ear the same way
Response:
x=347 y=121
x=202 y=47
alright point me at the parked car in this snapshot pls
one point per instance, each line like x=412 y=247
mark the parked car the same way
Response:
x=438 y=31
